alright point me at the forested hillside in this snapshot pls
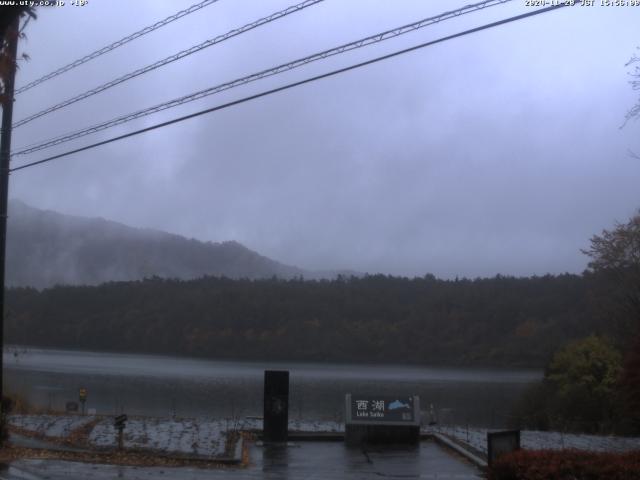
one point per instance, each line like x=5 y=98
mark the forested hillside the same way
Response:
x=46 y=248
x=496 y=321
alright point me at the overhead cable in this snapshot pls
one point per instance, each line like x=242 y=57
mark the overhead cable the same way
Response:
x=292 y=85
x=372 y=39
x=172 y=58
x=116 y=44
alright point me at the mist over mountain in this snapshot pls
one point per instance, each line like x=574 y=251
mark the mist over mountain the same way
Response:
x=46 y=248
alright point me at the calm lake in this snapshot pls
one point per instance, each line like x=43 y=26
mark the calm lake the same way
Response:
x=165 y=386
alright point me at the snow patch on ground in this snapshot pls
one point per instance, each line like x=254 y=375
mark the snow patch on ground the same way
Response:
x=203 y=437
x=50 y=425
x=534 y=440
x=317 y=426
x=185 y=436
x=310 y=426
x=206 y=437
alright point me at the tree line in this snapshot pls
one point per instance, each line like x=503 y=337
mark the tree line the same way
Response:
x=493 y=321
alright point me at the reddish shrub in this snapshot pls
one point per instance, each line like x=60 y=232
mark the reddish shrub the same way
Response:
x=566 y=465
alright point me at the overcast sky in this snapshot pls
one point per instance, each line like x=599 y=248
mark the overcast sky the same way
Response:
x=497 y=152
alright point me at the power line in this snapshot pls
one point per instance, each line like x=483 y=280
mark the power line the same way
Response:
x=170 y=59
x=116 y=44
x=372 y=39
x=294 y=84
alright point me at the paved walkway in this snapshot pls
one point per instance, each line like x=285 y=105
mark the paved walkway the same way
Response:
x=305 y=460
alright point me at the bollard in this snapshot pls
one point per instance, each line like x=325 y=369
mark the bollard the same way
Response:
x=119 y=423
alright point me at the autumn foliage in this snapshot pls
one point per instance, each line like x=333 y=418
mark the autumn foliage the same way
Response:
x=566 y=465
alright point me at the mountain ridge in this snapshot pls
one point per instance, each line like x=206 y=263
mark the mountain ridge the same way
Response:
x=47 y=248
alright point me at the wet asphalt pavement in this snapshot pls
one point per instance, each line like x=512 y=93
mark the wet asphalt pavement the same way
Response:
x=305 y=460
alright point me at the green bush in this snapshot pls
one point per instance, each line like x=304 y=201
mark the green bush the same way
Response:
x=580 y=391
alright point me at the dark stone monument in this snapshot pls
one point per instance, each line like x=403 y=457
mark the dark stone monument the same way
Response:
x=276 y=406
x=382 y=419
x=499 y=443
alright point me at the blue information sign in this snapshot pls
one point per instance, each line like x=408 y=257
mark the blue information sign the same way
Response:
x=365 y=408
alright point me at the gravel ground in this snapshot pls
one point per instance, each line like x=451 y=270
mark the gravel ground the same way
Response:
x=207 y=437
x=197 y=437
x=59 y=426
x=297 y=425
x=203 y=438
x=534 y=440
x=185 y=436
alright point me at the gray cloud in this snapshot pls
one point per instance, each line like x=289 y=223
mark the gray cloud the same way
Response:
x=494 y=153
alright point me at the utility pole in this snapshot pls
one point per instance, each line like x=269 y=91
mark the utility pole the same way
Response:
x=5 y=157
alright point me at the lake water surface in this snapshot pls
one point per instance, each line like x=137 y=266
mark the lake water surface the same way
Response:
x=164 y=386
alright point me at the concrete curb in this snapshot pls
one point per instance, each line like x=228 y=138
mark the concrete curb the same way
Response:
x=302 y=436
x=24 y=441
x=442 y=440
x=21 y=441
x=316 y=436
